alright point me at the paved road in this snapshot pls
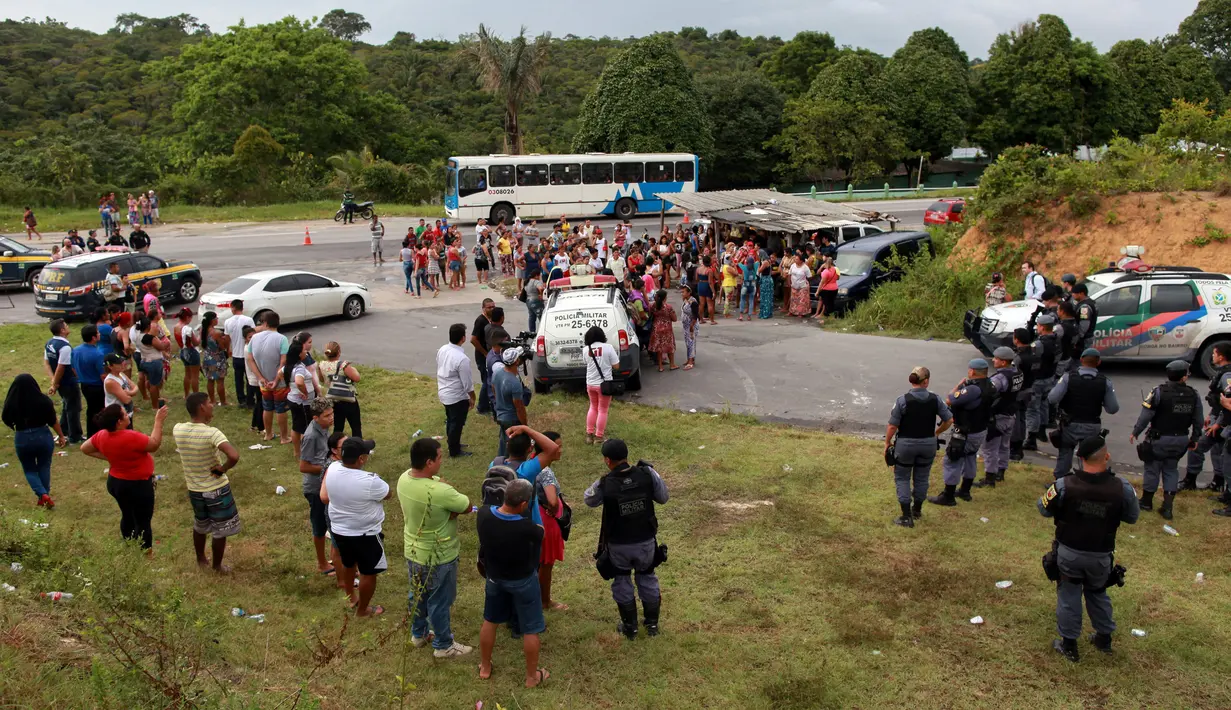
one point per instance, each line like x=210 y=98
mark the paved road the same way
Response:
x=776 y=370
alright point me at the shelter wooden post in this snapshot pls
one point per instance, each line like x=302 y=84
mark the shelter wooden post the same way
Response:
x=662 y=214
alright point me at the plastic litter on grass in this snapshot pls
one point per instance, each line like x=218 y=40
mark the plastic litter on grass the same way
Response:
x=1139 y=633
x=259 y=447
x=977 y=621
x=1005 y=584
x=280 y=491
x=1170 y=530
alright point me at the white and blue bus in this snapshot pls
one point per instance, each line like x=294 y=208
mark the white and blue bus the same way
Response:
x=501 y=187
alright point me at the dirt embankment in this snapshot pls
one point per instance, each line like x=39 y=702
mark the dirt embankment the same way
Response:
x=1166 y=224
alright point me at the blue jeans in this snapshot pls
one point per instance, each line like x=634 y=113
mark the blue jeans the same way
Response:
x=408 y=270
x=747 y=296
x=35 y=447
x=70 y=413
x=422 y=280
x=535 y=309
x=437 y=588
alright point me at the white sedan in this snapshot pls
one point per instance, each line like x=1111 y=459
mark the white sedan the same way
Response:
x=293 y=295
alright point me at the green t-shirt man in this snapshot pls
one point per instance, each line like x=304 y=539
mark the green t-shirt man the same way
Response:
x=428 y=507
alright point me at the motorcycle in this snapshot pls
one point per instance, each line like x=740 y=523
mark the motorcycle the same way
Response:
x=362 y=210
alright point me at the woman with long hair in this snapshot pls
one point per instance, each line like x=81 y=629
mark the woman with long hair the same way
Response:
x=188 y=340
x=551 y=551
x=217 y=358
x=131 y=472
x=765 y=290
x=152 y=348
x=601 y=358
x=483 y=258
x=117 y=387
x=303 y=388
x=827 y=290
x=339 y=377
x=407 y=257
x=798 y=275
x=688 y=321
x=705 y=288
x=149 y=301
x=433 y=266
x=455 y=266
x=30 y=413
x=662 y=337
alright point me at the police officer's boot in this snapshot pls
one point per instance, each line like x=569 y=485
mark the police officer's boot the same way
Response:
x=1225 y=498
x=988 y=480
x=651 y=616
x=964 y=491
x=945 y=498
x=1000 y=475
x=1216 y=484
x=1031 y=443
x=1067 y=648
x=906 y=521
x=916 y=510
x=1189 y=483
x=1147 y=500
x=628 y=620
x=1165 y=509
x=1102 y=642
x=1015 y=451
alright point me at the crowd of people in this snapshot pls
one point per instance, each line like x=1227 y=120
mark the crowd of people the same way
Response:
x=1051 y=380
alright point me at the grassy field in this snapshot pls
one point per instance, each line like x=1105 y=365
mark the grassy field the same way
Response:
x=53 y=220
x=787 y=587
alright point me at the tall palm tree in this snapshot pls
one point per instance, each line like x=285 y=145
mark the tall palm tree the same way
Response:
x=510 y=70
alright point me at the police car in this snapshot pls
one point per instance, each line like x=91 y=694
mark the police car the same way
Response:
x=20 y=264
x=73 y=287
x=574 y=305
x=1159 y=313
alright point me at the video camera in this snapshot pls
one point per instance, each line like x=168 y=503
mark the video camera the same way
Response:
x=523 y=340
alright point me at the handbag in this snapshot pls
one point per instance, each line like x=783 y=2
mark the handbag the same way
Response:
x=565 y=519
x=341 y=388
x=608 y=388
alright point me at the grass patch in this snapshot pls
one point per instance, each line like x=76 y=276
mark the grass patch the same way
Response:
x=897 y=194
x=774 y=606
x=53 y=220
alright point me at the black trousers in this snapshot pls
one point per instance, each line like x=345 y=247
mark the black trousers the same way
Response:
x=136 y=501
x=482 y=406
x=95 y=399
x=455 y=421
x=245 y=394
x=347 y=414
x=258 y=414
x=70 y=412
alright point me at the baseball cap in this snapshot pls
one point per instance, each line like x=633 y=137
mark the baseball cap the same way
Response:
x=1091 y=446
x=1091 y=352
x=512 y=355
x=353 y=447
x=1004 y=353
x=1177 y=367
x=1068 y=279
x=978 y=364
x=1046 y=319
x=112 y=359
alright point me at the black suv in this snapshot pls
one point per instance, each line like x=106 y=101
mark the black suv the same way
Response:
x=863 y=264
x=72 y=287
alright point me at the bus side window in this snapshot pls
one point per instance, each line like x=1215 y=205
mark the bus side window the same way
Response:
x=471 y=180
x=596 y=173
x=501 y=176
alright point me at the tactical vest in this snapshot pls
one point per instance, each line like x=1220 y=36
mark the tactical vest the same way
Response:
x=628 y=506
x=1045 y=362
x=919 y=417
x=1087 y=311
x=1173 y=412
x=1006 y=402
x=1068 y=343
x=973 y=421
x=1083 y=401
x=1212 y=397
x=51 y=353
x=1090 y=512
x=1025 y=365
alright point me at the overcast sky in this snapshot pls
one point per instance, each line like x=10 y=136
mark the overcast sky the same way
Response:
x=881 y=25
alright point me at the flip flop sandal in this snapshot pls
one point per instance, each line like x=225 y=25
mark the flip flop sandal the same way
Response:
x=331 y=572
x=542 y=675
x=374 y=611
x=489 y=675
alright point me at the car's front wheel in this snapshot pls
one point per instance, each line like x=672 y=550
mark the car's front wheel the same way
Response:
x=353 y=308
x=542 y=387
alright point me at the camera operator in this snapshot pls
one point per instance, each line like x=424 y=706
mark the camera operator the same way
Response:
x=1087 y=506
x=510 y=393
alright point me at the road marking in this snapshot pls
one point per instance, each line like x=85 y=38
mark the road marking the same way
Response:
x=750 y=387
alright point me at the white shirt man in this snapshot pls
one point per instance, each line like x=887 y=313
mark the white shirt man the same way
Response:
x=480 y=230
x=600 y=243
x=1035 y=282
x=234 y=329
x=356 y=513
x=455 y=387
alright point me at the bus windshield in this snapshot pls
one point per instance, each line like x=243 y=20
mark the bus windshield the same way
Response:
x=451 y=182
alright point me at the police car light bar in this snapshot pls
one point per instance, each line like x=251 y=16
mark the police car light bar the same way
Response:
x=589 y=281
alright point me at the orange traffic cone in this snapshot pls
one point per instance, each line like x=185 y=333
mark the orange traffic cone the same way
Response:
x=307 y=238
x=686 y=217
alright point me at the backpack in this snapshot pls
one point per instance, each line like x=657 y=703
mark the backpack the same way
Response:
x=494 y=485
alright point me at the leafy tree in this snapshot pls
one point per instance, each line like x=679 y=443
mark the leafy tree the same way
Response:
x=856 y=75
x=795 y=64
x=1039 y=85
x=1146 y=85
x=344 y=25
x=929 y=89
x=645 y=101
x=1193 y=76
x=1208 y=29
x=510 y=70
x=746 y=112
x=297 y=80
x=822 y=134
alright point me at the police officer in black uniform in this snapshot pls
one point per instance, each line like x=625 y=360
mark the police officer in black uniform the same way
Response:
x=1210 y=439
x=910 y=443
x=1024 y=363
x=1174 y=414
x=1006 y=385
x=1046 y=357
x=628 y=541
x=1069 y=356
x=1082 y=396
x=1087 y=508
x=1087 y=317
x=971 y=402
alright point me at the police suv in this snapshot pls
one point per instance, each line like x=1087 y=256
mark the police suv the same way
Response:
x=1162 y=313
x=73 y=287
x=574 y=305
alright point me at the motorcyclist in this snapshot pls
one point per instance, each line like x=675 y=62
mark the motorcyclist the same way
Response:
x=348 y=207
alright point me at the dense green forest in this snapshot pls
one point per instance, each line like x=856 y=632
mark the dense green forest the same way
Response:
x=296 y=109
